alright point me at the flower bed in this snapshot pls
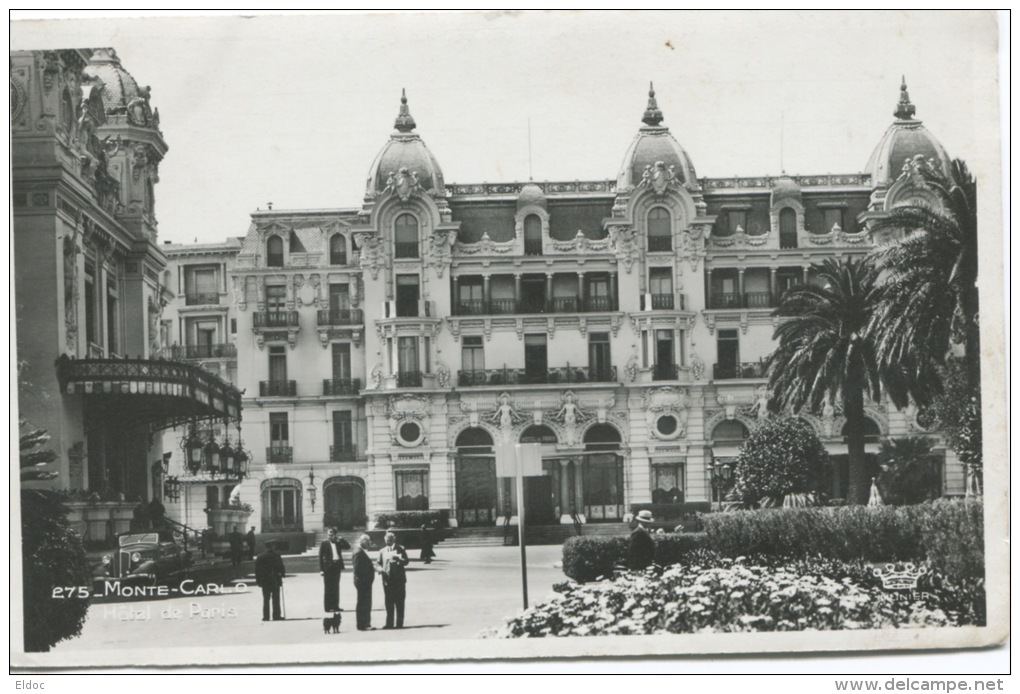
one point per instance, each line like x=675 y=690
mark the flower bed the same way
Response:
x=724 y=595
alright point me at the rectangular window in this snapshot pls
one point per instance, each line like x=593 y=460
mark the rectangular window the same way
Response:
x=90 y=308
x=341 y=360
x=665 y=356
x=668 y=483
x=599 y=361
x=728 y=346
x=343 y=432
x=737 y=221
x=660 y=286
x=407 y=295
x=833 y=218
x=597 y=295
x=407 y=358
x=472 y=353
x=276 y=298
x=428 y=354
x=470 y=298
x=277 y=364
x=233 y=326
x=279 y=430
x=412 y=490
x=201 y=286
x=536 y=364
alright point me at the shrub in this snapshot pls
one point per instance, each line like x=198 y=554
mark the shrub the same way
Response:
x=911 y=471
x=53 y=555
x=724 y=596
x=588 y=559
x=434 y=518
x=953 y=537
x=664 y=512
x=782 y=456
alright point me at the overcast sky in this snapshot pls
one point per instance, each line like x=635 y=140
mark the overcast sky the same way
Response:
x=294 y=109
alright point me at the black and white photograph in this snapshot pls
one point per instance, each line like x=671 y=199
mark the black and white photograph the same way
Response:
x=508 y=336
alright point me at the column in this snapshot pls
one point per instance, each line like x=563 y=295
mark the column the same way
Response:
x=565 y=496
x=549 y=292
x=456 y=296
x=708 y=287
x=517 y=292
x=581 y=292
x=613 y=300
x=805 y=268
x=223 y=280
x=180 y=279
x=485 y=293
x=579 y=499
x=740 y=286
x=422 y=359
x=773 y=288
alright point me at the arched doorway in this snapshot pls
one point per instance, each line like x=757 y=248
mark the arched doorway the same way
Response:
x=344 y=503
x=281 y=505
x=475 y=479
x=540 y=492
x=601 y=474
x=727 y=438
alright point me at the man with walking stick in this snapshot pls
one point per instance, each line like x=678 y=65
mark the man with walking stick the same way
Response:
x=269 y=574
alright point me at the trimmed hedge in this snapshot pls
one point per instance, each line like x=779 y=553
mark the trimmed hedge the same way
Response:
x=590 y=558
x=434 y=518
x=949 y=533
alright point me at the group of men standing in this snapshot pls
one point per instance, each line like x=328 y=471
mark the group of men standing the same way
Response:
x=390 y=564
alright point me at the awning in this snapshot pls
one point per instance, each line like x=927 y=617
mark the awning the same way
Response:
x=156 y=392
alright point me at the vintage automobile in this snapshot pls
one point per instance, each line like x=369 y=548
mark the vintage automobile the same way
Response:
x=147 y=558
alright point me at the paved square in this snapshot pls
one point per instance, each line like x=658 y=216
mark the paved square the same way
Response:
x=465 y=590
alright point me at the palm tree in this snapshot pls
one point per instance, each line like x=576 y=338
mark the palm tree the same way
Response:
x=826 y=353
x=930 y=295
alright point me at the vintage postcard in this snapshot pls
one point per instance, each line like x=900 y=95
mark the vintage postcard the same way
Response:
x=367 y=338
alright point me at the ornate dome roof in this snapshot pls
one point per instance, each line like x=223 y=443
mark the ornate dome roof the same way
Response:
x=654 y=147
x=404 y=151
x=784 y=188
x=905 y=139
x=530 y=194
x=119 y=87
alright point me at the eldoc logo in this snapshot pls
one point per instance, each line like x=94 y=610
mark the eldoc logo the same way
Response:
x=29 y=684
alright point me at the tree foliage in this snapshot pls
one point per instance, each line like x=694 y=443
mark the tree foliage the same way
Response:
x=957 y=411
x=782 y=457
x=911 y=472
x=826 y=353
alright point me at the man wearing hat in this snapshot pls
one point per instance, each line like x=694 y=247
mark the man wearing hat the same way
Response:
x=641 y=549
x=269 y=573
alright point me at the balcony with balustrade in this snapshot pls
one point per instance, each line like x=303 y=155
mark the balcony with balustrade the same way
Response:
x=279 y=454
x=275 y=319
x=202 y=299
x=279 y=389
x=222 y=350
x=740 y=370
x=343 y=453
x=747 y=300
x=339 y=317
x=529 y=376
x=341 y=386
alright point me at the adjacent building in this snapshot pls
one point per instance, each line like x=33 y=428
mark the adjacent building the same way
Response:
x=384 y=349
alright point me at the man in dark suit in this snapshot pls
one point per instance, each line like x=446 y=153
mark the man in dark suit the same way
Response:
x=364 y=577
x=641 y=548
x=269 y=573
x=331 y=564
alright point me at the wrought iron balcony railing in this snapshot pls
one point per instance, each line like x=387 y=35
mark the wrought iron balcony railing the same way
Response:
x=405 y=249
x=222 y=350
x=341 y=316
x=559 y=304
x=409 y=379
x=277 y=388
x=662 y=301
x=279 y=454
x=532 y=247
x=751 y=369
x=275 y=319
x=341 y=386
x=666 y=372
x=660 y=243
x=201 y=298
x=599 y=303
x=344 y=453
x=758 y=300
x=471 y=307
x=561 y=374
x=724 y=300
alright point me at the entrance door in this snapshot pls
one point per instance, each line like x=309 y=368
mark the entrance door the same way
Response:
x=344 y=503
x=539 y=506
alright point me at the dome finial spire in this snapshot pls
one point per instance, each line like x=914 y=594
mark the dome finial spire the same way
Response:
x=405 y=122
x=904 y=109
x=653 y=116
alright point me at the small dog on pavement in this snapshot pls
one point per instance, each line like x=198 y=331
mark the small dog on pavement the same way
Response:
x=331 y=624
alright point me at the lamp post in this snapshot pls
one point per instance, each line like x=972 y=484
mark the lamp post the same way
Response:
x=311 y=488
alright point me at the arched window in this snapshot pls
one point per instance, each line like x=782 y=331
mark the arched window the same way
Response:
x=337 y=250
x=787 y=228
x=281 y=505
x=405 y=236
x=729 y=430
x=274 y=251
x=475 y=477
x=660 y=230
x=532 y=235
x=602 y=437
x=538 y=433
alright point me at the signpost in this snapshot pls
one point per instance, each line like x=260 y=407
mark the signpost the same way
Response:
x=519 y=461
